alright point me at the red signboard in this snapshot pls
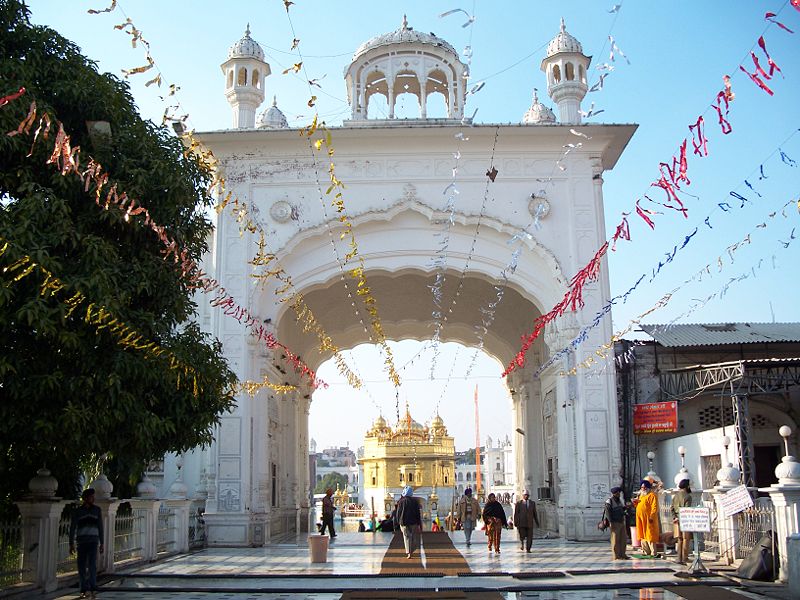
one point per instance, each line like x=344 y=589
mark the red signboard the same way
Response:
x=656 y=417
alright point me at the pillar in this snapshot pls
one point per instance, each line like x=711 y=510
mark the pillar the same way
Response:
x=785 y=497
x=180 y=508
x=108 y=508
x=146 y=512
x=40 y=519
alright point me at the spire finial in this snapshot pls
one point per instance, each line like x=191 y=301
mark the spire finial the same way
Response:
x=405 y=22
x=563 y=26
x=247 y=31
x=275 y=101
x=535 y=95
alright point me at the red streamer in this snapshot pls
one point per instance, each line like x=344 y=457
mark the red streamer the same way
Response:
x=725 y=95
x=6 y=99
x=623 y=232
x=643 y=213
x=770 y=17
x=699 y=140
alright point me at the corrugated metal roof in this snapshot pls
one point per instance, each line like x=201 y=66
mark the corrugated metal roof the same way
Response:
x=712 y=334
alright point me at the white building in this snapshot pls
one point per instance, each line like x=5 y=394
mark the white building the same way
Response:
x=400 y=183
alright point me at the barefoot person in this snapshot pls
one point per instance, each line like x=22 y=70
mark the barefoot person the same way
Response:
x=467 y=513
x=494 y=517
x=410 y=520
x=524 y=518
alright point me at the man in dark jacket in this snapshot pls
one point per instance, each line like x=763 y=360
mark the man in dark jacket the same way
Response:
x=87 y=527
x=327 y=513
x=524 y=518
x=409 y=519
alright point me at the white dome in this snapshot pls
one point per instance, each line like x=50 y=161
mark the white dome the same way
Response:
x=563 y=42
x=538 y=113
x=272 y=118
x=404 y=34
x=246 y=47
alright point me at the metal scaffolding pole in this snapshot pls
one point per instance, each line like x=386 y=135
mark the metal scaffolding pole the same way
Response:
x=744 y=438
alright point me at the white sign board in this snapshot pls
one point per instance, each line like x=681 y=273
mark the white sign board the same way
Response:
x=735 y=501
x=694 y=519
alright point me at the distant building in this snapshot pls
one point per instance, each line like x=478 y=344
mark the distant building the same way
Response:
x=340 y=460
x=409 y=454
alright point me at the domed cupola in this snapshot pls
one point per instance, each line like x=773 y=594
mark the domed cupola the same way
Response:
x=565 y=66
x=245 y=72
x=538 y=113
x=272 y=118
x=406 y=61
x=563 y=42
x=437 y=427
x=246 y=47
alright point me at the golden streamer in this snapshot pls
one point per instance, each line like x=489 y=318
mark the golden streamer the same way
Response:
x=95 y=314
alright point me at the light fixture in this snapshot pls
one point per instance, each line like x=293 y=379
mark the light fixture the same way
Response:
x=785 y=431
x=682 y=452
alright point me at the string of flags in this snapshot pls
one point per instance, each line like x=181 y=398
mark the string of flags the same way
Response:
x=673 y=175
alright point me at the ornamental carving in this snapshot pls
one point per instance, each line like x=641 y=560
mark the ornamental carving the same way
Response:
x=539 y=207
x=281 y=211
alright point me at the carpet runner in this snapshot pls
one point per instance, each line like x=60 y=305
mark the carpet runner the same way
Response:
x=441 y=558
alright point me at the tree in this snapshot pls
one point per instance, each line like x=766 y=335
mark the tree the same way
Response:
x=331 y=480
x=73 y=390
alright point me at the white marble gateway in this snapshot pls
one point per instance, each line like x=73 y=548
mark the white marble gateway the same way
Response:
x=544 y=204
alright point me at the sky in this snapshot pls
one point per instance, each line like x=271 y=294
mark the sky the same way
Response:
x=669 y=61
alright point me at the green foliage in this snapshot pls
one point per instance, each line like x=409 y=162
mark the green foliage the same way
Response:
x=68 y=392
x=331 y=480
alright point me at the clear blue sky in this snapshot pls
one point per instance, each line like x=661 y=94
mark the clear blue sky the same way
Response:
x=678 y=52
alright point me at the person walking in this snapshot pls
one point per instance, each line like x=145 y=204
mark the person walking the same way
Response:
x=327 y=513
x=86 y=527
x=681 y=499
x=524 y=518
x=648 y=525
x=410 y=520
x=615 y=511
x=468 y=511
x=494 y=518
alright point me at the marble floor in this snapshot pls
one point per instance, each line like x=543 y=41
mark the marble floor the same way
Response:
x=556 y=569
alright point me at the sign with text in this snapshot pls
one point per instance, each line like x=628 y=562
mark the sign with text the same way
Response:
x=694 y=519
x=655 y=417
x=735 y=501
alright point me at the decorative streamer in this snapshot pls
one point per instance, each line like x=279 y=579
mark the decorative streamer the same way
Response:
x=573 y=298
x=66 y=159
x=730 y=250
x=95 y=314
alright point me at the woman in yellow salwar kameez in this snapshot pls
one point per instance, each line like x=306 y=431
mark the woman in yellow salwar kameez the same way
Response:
x=648 y=521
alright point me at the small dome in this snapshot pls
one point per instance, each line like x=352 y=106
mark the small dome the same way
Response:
x=380 y=421
x=563 y=42
x=538 y=113
x=272 y=118
x=246 y=47
x=403 y=34
x=437 y=422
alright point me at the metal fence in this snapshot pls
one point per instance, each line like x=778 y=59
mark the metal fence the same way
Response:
x=127 y=534
x=165 y=530
x=65 y=562
x=11 y=553
x=197 y=530
x=753 y=523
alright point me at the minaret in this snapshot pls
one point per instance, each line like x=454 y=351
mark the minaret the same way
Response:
x=245 y=72
x=565 y=66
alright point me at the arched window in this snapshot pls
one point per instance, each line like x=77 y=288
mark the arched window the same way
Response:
x=468 y=477
x=556 y=74
x=570 y=71
x=256 y=82
x=411 y=477
x=581 y=74
x=230 y=78
x=401 y=477
x=242 y=79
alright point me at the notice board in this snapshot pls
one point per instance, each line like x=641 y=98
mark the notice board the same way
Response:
x=655 y=417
